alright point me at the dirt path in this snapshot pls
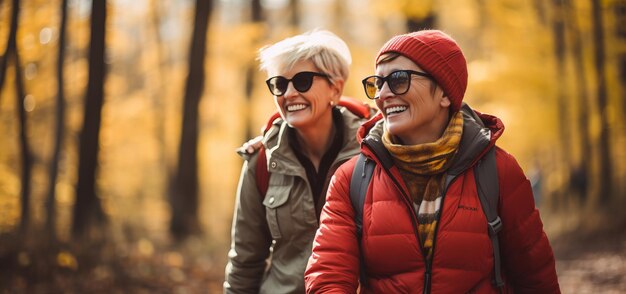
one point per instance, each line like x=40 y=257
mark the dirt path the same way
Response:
x=586 y=263
x=593 y=262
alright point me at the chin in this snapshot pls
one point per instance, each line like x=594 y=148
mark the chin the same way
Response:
x=396 y=129
x=295 y=123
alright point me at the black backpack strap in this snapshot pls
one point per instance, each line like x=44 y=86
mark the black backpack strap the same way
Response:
x=487 y=185
x=262 y=174
x=361 y=177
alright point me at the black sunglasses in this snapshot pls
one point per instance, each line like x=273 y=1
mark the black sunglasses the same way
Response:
x=399 y=82
x=302 y=82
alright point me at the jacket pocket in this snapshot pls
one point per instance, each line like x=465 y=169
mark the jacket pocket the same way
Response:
x=277 y=213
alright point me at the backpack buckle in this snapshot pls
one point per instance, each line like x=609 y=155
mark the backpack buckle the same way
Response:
x=495 y=226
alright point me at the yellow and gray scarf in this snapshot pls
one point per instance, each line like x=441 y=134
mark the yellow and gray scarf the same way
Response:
x=423 y=168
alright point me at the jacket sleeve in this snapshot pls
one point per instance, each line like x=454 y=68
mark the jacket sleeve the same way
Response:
x=527 y=258
x=250 y=237
x=334 y=263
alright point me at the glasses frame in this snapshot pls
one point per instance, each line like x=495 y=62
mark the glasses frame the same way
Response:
x=296 y=76
x=389 y=76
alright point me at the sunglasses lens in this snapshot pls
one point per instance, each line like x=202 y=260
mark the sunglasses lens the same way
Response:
x=302 y=81
x=277 y=85
x=371 y=86
x=399 y=82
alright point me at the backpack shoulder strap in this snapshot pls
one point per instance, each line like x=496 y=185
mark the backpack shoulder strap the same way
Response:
x=487 y=185
x=361 y=177
x=359 y=182
x=262 y=175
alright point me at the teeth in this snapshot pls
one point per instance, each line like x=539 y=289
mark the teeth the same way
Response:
x=395 y=109
x=295 y=107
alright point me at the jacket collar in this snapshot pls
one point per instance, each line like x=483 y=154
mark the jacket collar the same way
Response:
x=280 y=154
x=480 y=133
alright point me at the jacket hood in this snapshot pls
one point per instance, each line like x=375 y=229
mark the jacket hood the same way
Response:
x=480 y=133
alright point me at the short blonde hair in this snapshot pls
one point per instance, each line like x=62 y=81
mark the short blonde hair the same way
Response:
x=328 y=53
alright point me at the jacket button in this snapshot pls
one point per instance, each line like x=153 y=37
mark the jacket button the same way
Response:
x=271 y=200
x=273 y=164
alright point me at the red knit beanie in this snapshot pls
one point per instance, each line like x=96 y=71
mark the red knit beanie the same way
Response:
x=437 y=54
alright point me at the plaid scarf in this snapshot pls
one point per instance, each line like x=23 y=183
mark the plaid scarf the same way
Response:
x=423 y=168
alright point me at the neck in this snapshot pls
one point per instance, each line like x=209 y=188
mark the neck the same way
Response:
x=316 y=140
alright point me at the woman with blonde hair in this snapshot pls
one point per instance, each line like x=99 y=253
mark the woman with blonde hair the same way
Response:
x=273 y=229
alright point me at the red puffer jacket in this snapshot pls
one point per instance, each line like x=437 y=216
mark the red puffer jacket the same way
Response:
x=462 y=258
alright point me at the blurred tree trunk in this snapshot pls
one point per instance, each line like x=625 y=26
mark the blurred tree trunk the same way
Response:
x=58 y=129
x=87 y=209
x=419 y=14
x=20 y=99
x=294 y=16
x=256 y=11
x=27 y=160
x=184 y=200
x=158 y=101
x=622 y=79
x=540 y=9
x=419 y=22
x=11 y=47
x=256 y=18
x=558 y=34
x=11 y=52
x=606 y=172
x=619 y=10
x=4 y=64
x=581 y=173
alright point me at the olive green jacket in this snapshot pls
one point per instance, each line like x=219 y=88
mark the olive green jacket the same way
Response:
x=272 y=236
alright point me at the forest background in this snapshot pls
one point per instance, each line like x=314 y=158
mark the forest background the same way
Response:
x=119 y=122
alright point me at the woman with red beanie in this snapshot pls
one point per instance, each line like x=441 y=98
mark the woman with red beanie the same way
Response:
x=423 y=227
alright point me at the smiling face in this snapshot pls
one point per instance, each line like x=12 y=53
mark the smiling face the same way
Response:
x=305 y=110
x=418 y=116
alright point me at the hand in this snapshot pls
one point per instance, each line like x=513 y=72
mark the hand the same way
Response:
x=250 y=147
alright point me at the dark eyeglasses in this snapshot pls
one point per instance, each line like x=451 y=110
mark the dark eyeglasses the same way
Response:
x=301 y=81
x=399 y=82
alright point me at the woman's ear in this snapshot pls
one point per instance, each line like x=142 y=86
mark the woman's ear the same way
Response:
x=337 y=88
x=445 y=101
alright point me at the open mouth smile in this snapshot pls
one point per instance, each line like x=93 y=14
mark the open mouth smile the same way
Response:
x=295 y=107
x=395 y=110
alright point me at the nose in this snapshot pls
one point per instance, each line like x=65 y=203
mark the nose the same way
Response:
x=385 y=92
x=291 y=92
